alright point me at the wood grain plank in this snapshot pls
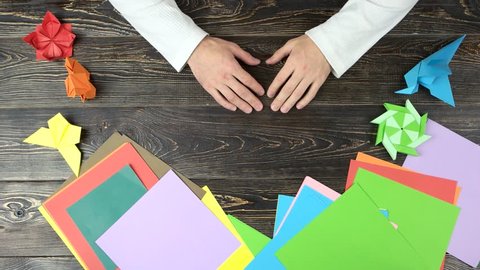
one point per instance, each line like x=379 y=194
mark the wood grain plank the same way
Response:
x=61 y=263
x=21 y=223
x=97 y=18
x=43 y=263
x=129 y=72
x=209 y=143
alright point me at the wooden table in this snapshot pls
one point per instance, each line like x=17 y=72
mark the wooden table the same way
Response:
x=247 y=160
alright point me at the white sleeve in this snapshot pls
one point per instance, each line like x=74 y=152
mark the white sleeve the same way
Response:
x=350 y=33
x=163 y=25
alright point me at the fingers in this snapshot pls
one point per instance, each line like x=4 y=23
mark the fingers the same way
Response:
x=220 y=99
x=247 y=79
x=279 y=80
x=244 y=55
x=286 y=91
x=245 y=94
x=312 y=92
x=295 y=96
x=279 y=54
x=234 y=99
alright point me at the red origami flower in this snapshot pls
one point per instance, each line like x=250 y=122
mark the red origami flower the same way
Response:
x=51 y=39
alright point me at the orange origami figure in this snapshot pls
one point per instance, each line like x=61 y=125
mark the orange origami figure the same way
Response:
x=78 y=80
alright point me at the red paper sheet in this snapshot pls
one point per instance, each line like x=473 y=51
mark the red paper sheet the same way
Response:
x=57 y=205
x=376 y=161
x=443 y=189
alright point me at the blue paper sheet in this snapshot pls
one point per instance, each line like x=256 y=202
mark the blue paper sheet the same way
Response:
x=283 y=204
x=308 y=205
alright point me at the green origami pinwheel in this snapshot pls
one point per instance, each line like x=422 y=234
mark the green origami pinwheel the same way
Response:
x=401 y=129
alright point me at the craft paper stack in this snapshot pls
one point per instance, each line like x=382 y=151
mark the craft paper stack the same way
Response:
x=129 y=210
x=389 y=218
x=378 y=223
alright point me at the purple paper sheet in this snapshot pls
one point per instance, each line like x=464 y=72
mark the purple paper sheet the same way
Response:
x=451 y=156
x=168 y=228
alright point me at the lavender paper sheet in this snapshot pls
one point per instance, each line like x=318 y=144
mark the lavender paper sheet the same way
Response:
x=452 y=156
x=168 y=228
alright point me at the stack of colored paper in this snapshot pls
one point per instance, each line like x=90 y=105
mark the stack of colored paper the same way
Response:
x=377 y=224
x=130 y=210
x=389 y=218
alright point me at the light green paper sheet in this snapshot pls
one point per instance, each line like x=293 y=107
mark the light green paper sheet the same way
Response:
x=254 y=239
x=353 y=226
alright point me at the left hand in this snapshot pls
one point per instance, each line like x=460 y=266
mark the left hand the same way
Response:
x=306 y=70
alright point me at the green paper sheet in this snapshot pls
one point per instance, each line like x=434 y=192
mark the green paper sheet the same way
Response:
x=426 y=222
x=254 y=239
x=101 y=208
x=353 y=226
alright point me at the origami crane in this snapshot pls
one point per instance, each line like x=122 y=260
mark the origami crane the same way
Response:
x=401 y=129
x=60 y=135
x=78 y=82
x=51 y=39
x=432 y=73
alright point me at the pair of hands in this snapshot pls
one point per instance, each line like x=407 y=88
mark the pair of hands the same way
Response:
x=214 y=64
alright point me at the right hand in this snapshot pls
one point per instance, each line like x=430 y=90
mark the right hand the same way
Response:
x=214 y=64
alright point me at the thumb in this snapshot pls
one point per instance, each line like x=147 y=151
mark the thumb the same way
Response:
x=243 y=55
x=281 y=53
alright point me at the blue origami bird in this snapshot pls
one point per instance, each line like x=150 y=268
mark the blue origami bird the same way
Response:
x=432 y=73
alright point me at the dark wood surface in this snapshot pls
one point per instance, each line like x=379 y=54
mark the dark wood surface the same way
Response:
x=247 y=160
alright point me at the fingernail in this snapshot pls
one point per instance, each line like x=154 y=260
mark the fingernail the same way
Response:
x=259 y=108
x=274 y=108
x=284 y=110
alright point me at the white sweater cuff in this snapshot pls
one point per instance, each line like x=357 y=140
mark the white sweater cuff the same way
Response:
x=192 y=39
x=350 y=33
x=164 y=26
x=320 y=38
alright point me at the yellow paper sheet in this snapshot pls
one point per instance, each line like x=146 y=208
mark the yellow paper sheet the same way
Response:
x=62 y=236
x=242 y=256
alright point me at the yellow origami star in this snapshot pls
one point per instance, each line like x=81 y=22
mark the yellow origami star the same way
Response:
x=60 y=135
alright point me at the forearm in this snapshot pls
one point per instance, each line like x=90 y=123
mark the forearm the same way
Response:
x=164 y=26
x=350 y=33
